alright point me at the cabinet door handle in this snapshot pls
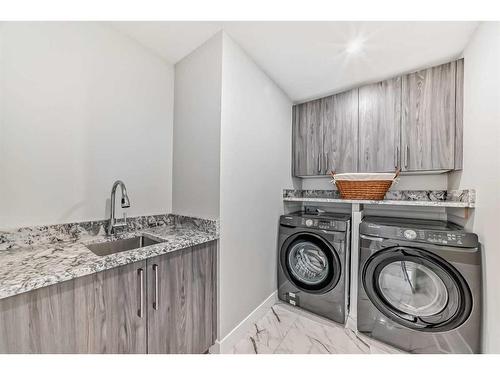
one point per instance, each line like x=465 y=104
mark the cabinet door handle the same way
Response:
x=140 y=282
x=326 y=162
x=155 y=277
x=319 y=163
x=396 y=158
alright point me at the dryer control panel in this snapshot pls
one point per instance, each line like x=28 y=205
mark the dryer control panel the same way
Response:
x=441 y=238
x=434 y=232
x=452 y=239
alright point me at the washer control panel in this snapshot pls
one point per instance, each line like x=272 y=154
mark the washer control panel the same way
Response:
x=321 y=223
x=327 y=221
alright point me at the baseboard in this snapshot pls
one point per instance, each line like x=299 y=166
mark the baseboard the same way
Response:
x=226 y=345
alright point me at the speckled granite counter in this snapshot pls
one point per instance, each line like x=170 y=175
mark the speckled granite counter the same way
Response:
x=424 y=198
x=35 y=257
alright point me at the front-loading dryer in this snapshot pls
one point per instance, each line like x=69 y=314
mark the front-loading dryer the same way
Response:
x=313 y=263
x=419 y=285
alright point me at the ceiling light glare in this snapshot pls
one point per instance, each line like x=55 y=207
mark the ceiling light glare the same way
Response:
x=354 y=46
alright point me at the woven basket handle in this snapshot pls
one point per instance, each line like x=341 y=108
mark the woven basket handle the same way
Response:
x=398 y=171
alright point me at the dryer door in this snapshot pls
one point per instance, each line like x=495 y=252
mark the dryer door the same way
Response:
x=417 y=289
x=310 y=263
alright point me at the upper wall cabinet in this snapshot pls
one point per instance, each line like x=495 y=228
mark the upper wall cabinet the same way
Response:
x=307 y=139
x=326 y=135
x=339 y=120
x=413 y=122
x=428 y=121
x=379 y=126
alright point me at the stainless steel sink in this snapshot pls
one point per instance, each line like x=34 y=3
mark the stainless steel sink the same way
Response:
x=112 y=247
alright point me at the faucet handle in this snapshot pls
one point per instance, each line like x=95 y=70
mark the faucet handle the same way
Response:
x=121 y=223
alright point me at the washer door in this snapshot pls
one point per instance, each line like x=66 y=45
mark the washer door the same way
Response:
x=417 y=289
x=310 y=263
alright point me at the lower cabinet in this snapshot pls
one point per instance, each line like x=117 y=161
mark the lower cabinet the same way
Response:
x=166 y=304
x=181 y=313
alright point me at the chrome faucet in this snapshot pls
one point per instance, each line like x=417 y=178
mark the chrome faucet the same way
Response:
x=125 y=204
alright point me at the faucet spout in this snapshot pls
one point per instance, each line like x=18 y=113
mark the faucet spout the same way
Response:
x=125 y=203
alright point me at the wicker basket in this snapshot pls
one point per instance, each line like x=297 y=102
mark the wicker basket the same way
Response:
x=363 y=189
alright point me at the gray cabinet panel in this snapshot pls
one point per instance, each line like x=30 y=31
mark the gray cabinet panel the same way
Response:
x=91 y=314
x=428 y=123
x=459 y=115
x=379 y=126
x=184 y=318
x=339 y=120
x=307 y=139
x=106 y=311
x=41 y=321
x=413 y=122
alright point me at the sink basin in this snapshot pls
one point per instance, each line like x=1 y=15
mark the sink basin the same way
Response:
x=112 y=247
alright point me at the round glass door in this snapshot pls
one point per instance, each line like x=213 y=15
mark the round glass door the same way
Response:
x=417 y=289
x=413 y=288
x=310 y=262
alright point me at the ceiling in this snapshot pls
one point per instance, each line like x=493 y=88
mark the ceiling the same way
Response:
x=310 y=59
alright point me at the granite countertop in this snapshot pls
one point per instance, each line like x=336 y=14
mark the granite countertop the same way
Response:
x=423 y=198
x=35 y=257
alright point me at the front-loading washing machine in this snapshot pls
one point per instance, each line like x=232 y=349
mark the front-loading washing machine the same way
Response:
x=419 y=285
x=313 y=263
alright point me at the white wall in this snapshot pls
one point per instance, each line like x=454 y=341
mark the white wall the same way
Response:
x=255 y=167
x=232 y=158
x=196 y=157
x=481 y=169
x=81 y=106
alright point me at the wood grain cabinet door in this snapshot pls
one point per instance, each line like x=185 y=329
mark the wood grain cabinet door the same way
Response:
x=339 y=119
x=110 y=311
x=307 y=139
x=182 y=300
x=428 y=121
x=379 y=126
x=98 y=313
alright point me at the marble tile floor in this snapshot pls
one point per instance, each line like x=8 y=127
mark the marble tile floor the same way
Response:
x=285 y=329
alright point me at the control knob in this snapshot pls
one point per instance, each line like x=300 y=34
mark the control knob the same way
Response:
x=410 y=234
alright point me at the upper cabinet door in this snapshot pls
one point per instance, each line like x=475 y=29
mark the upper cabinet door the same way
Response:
x=308 y=139
x=428 y=121
x=379 y=126
x=339 y=118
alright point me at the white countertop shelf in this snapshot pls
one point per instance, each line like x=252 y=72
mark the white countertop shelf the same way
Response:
x=419 y=203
